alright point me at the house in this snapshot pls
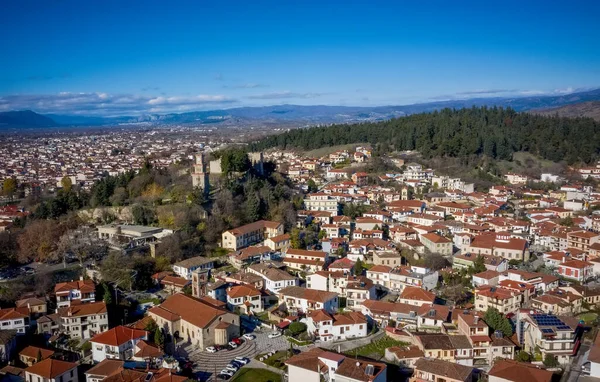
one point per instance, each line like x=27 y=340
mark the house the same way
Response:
x=383 y=311
x=416 y=296
x=37 y=306
x=316 y=365
x=84 y=320
x=49 y=324
x=278 y=243
x=336 y=327
x=250 y=255
x=500 y=244
x=486 y=278
x=406 y=356
x=185 y=267
x=118 y=371
x=174 y=284
x=14 y=318
x=505 y=370
x=390 y=259
x=504 y=300
x=250 y=234
x=343 y=265
x=52 y=370
x=81 y=291
x=396 y=279
x=437 y=244
x=274 y=279
x=298 y=299
x=310 y=261
x=33 y=354
x=431 y=317
x=245 y=298
x=547 y=334
x=358 y=289
x=428 y=369
x=116 y=343
x=577 y=270
x=196 y=320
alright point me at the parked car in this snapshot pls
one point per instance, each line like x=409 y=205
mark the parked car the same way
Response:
x=233 y=367
x=232 y=344
x=275 y=335
x=227 y=372
x=249 y=336
x=211 y=349
x=224 y=377
x=242 y=360
x=237 y=341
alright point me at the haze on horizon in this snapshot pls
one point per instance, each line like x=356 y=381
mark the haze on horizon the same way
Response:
x=128 y=58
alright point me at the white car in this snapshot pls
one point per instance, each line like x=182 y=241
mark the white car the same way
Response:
x=249 y=336
x=231 y=367
x=233 y=344
x=242 y=360
x=227 y=372
x=211 y=349
x=275 y=335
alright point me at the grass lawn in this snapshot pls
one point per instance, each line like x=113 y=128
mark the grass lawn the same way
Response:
x=256 y=375
x=377 y=348
x=588 y=317
x=328 y=150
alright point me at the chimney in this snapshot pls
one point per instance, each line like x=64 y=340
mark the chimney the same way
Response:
x=476 y=319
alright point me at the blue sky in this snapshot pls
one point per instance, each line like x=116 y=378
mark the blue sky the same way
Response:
x=132 y=57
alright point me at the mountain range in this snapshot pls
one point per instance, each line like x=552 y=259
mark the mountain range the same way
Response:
x=303 y=115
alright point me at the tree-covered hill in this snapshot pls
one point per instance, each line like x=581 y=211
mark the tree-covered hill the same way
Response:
x=494 y=132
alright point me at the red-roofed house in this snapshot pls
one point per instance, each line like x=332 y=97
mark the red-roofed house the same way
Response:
x=80 y=291
x=576 y=270
x=116 y=343
x=246 y=297
x=52 y=370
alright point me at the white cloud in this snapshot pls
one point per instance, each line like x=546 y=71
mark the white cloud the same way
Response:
x=285 y=95
x=109 y=104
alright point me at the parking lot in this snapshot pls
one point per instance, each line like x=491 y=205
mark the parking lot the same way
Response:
x=207 y=364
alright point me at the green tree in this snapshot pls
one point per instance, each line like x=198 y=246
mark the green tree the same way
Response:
x=479 y=265
x=66 y=183
x=107 y=297
x=497 y=321
x=312 y=186
x=523 y=356
x=296 y=328
x=296 y=241
x=159 y=338
x=9 y=186
x=358 y=268
x=322 y=234
x=253 y=207
x=151 y=326
x=550 y=361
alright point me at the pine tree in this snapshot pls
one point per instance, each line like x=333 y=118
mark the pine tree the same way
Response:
x=159 y=338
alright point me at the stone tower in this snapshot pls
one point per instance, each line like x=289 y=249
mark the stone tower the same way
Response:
x=200 y=278
x=200 y=174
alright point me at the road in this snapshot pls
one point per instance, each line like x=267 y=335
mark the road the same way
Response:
x=43 y=268
x=579 y=360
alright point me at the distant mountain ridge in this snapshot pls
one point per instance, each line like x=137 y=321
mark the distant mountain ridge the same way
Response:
x=24 y=118
x=590 y=109
x=300 y=115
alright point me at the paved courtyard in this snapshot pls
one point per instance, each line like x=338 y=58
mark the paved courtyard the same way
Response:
x=207 y=365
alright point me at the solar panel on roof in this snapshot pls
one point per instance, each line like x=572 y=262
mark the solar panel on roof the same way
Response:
x=547 y=331
x=563 y=327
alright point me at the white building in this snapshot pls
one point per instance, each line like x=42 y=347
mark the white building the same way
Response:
x=337 y=327
x=116 y=343
x=14 y=319
x=275 y=279
x=185 y=267
x=303 y=300
x=85 y=320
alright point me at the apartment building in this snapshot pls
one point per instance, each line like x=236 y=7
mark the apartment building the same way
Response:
x=582 y=239
x=250 y=234
x=84 y=320
x=504 y=300
x=309 y=261
x=322 y=202
x=500 y=244
x=437 y=244
x=547 y=334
